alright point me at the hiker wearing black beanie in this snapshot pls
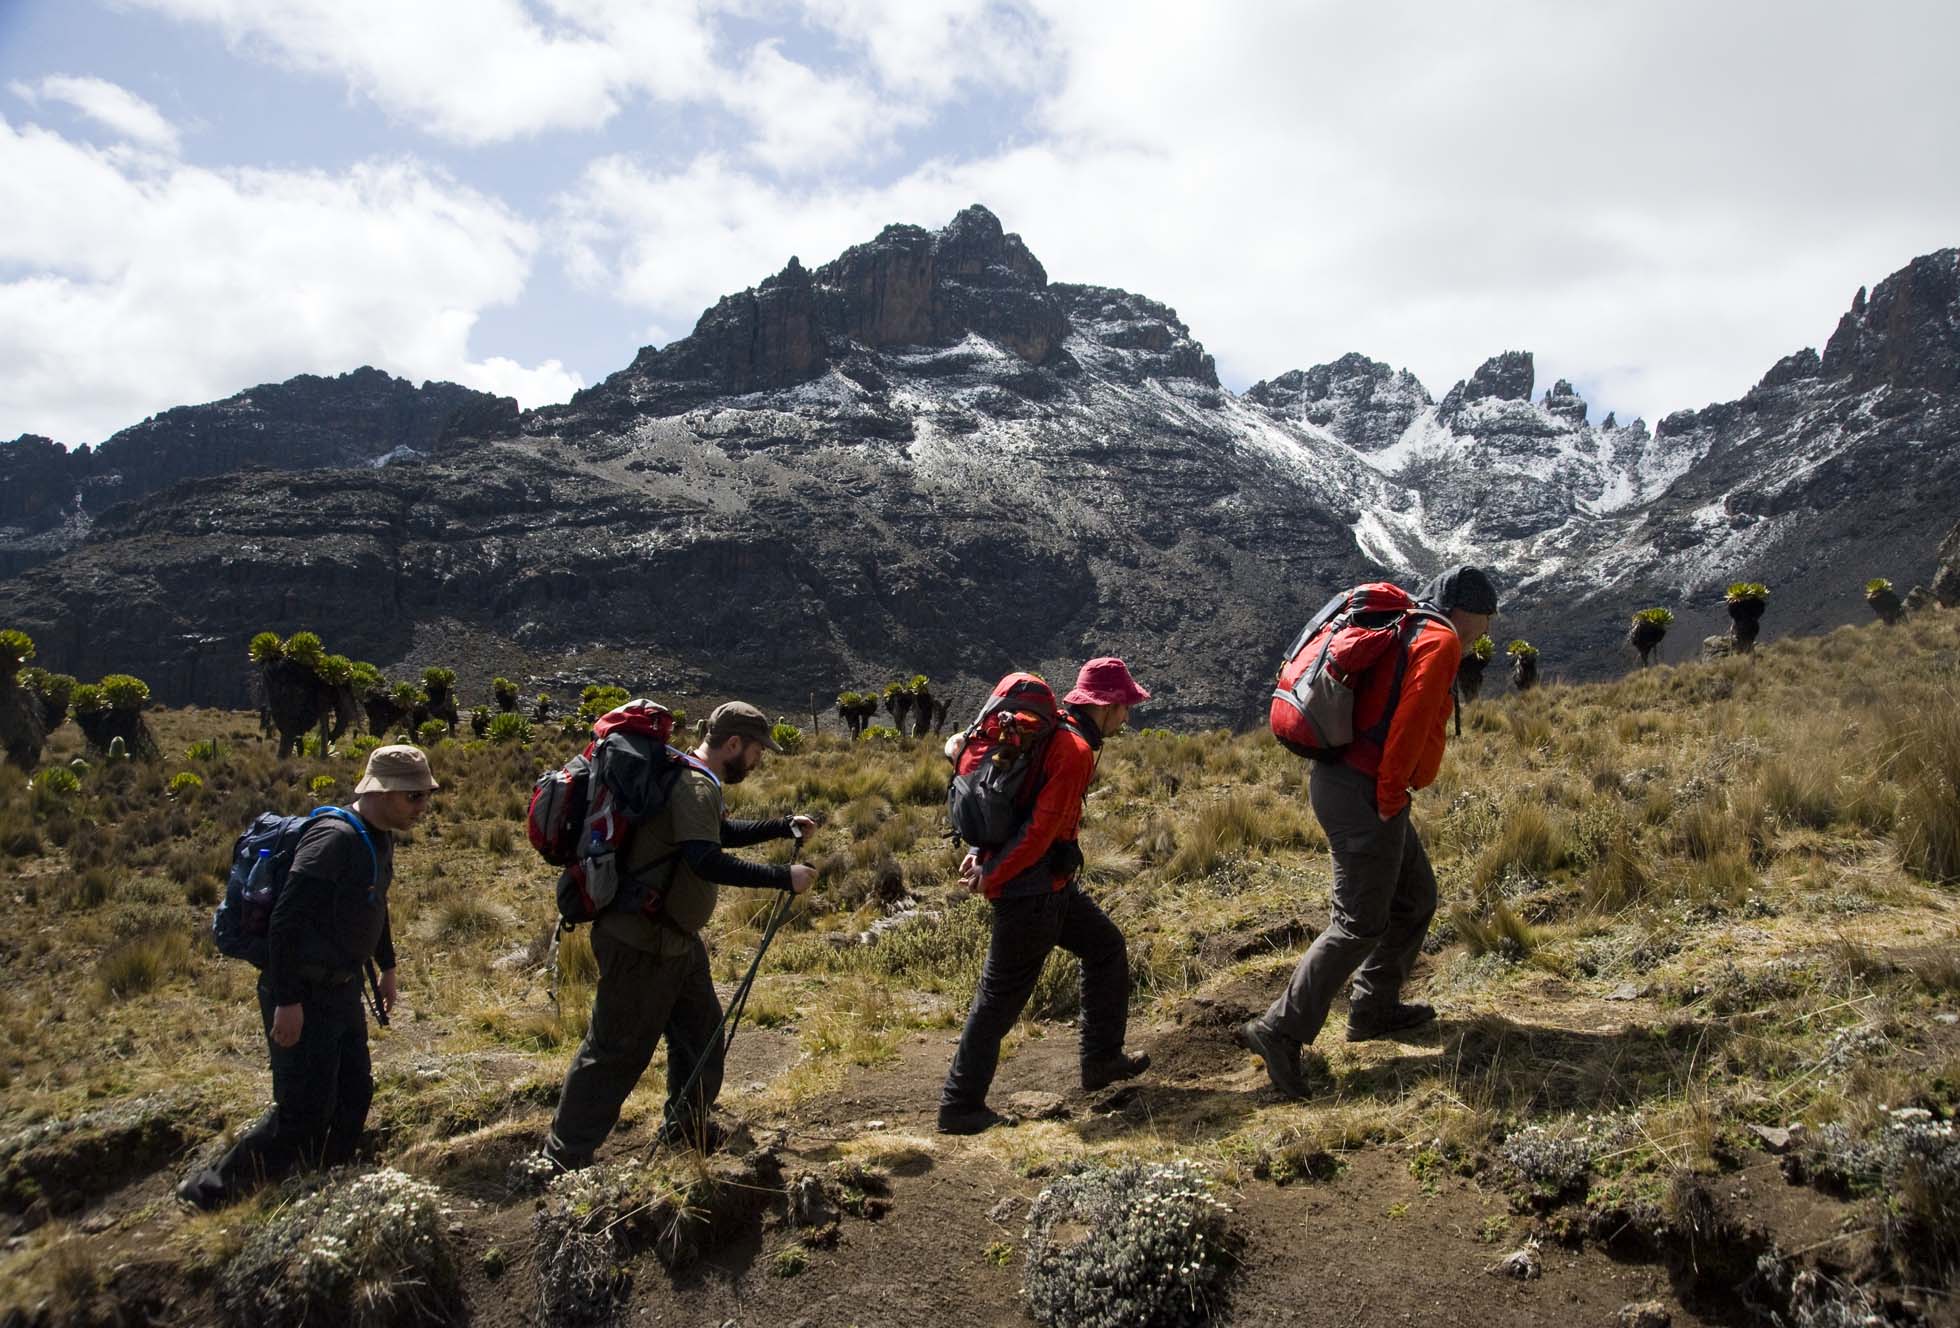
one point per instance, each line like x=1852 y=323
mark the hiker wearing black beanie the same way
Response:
x=1384 y=891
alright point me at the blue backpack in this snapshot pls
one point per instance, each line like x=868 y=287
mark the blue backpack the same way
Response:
x=260 y=862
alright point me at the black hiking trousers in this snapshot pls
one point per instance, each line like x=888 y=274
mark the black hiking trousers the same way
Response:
x=322 y=1086
x=1025 y=929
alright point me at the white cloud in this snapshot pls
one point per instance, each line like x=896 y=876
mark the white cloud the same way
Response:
x=152 y=285
x=116 y=109
x=487 y=71
x=803 y=121
x=930 y=52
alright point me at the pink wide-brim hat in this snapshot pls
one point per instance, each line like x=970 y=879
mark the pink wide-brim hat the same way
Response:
x=1106 y=681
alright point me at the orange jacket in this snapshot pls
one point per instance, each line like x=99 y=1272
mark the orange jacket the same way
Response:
x=1413 y=750
x=1020 y=866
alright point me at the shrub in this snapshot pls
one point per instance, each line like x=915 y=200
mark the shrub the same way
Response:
x=376 y=1243
x=431 y=732
x=205 y=749
x=57 y=782
x=1521 y=649
x=184 y=783
x=1878 y=585
x=1138 y=1246
x=123 y=692
x=1551 y=1163
x=1657 y=616
x=321 y=787
x=1742 y=590
x=510 y=727
x=438 y=679
x=504 y=692
x=305 y=647
x=788 y=737
x=87 y=698
x=597 y=699
x=336 y=670
x=880 y=733
x=366 y=678
x=16 y=648
x=266 y=648
x=1483 y=648
x=55 y=691
x=408 y=696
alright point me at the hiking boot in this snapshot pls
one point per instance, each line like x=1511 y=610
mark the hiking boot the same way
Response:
x=204 y=1190
x=1103 y=1071
x=971 y=1120
x=1367 y=1025
x=1281 y=1054
x=705 y=1137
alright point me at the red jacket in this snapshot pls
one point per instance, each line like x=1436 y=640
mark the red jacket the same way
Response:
x=1020 y=866
x=1413 y=750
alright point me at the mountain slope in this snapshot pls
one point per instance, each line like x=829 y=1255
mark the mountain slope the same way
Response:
x=926 y=456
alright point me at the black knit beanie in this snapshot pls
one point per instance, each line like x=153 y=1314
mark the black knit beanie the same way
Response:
x=1461 y=587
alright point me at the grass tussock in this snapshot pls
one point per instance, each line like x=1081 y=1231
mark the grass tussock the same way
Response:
x=143 y=963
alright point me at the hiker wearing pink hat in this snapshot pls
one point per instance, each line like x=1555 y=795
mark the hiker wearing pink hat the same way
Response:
x=1106 y=682
x=1039 y=905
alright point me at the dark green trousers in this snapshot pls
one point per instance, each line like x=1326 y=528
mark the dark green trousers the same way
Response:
x=642 y=997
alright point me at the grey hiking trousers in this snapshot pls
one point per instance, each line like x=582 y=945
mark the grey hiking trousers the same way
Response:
x=1384 y=896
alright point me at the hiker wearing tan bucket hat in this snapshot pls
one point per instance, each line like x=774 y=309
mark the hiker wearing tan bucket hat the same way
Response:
x=328 y=924
x=1038 y=905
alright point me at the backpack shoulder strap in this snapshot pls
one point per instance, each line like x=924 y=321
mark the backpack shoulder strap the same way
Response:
x=689 y=758
x=1405 y=635
x=360 y=828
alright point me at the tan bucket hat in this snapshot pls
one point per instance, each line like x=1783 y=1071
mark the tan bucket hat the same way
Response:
x=397 y=769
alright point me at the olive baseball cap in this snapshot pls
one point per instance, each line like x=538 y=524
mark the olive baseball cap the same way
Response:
x=740 y=719
x=397 y=769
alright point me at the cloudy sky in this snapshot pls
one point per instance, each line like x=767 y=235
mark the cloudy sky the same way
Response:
x=1660 y=198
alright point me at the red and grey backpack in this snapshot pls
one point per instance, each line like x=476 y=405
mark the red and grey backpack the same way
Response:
x=1312 y=710
x=997 y=761
x=582 y=813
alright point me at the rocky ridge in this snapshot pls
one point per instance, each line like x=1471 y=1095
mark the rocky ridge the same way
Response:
x=925 y=456
x=49 y=496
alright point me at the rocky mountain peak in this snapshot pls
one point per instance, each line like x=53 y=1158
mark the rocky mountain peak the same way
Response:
x=1363 y=402
x=909 y=287
x=1506 y=377
x=1154 y=340
x=1907 y=334
x=1564 y=403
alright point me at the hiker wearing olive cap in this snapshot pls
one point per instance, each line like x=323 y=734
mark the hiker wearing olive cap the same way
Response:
x=1038 y=904
x=329 y=921
x=654 y=980
x=1384 y=891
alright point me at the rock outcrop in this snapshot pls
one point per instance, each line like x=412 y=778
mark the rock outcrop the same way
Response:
x=1362 y=402
x=1946 y=576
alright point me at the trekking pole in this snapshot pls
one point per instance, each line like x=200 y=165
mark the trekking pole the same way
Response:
x=724 y=1034
x=374 y=994
x=777 y=918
